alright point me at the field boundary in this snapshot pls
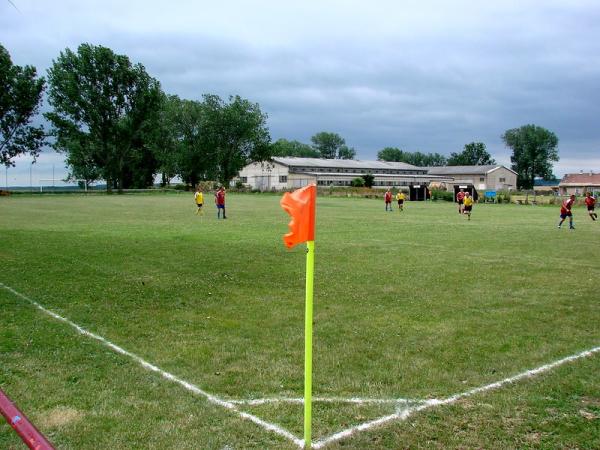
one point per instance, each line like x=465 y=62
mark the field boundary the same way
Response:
x=403 y=411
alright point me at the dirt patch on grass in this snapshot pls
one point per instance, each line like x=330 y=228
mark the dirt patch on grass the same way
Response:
x=60 y=417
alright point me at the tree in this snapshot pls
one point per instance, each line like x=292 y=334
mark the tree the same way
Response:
x=390 y=154
x=165 y=138
x=369 y=179
x=414 y=158
x=474 y=154
x=20 y=97
x=195 y=153
x=327 y=144
x=283 y=147
x=345 y=152
x=534 y=150
x=101 y=99
x=236 y=133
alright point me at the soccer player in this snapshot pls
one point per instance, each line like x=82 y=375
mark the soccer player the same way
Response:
x=199 y=199
x=565 y=211
x=459 y=199
x=400 y=200
x=590 y=202
x=468 y=204
x=388 y=200
x=220 y=202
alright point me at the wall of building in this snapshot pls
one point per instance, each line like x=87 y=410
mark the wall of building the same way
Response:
x=264 y=176
x=501 y=179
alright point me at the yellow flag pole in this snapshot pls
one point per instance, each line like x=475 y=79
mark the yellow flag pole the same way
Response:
x=308 y=331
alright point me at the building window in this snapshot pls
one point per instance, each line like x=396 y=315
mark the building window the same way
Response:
x=283 y=178
x=244 y=179
x=502 y=180
x=482 y=179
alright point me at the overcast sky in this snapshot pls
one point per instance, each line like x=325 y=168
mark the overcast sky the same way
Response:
x=427 y=75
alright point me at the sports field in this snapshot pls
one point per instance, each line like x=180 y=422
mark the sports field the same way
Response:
x=191 y=329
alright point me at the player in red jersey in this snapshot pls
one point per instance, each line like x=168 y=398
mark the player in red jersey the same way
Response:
x=460 y=197
x=565 y=211
x=388 y=200
x=220 y=202
x=590 y=202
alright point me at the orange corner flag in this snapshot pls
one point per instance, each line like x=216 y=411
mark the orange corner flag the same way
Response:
x=300 y=204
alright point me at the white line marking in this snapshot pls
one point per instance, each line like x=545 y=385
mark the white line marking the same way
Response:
x=189 y=386
x=400 y=414
x=263 y=401
x=405 y=413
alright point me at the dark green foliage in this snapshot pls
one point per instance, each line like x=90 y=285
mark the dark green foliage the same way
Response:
x=358 y=182
x=332 y=146
x=20 y=96
x=534 y=150
x=437 y=194
x=414 y=158
x=369 y=180
x=474 y=154
x=104 y=111
x=234 y=134
x=283 y=147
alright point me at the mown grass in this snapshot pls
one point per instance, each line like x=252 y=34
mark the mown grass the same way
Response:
x=419 y=304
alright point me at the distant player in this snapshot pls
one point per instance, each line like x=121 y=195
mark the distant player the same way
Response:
x=220 y=202
x=199 y=199
x=590 y=202
x=400 y=200
x=468 y=205
x=388 y=200
x=565 y=211
x=459 y=199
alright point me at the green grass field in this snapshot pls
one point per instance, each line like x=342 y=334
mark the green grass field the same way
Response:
x=416 y=305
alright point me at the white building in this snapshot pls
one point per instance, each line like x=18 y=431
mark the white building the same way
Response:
x=290 y=173
x=482 y=178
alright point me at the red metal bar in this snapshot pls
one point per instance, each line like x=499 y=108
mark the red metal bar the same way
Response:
x=24 y=428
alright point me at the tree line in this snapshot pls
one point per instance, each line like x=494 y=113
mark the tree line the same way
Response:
x=113 y=121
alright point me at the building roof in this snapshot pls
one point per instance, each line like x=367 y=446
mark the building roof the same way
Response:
x=465 y=170
x=345 y=163
x=581 y=179
x=390 y=175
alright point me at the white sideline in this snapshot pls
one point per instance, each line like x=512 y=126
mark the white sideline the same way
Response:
x=405 y=413
x=189 y=386
x=402 y=413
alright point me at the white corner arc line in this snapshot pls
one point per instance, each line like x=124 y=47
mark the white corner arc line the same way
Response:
x=189 y=386
x=405 y=413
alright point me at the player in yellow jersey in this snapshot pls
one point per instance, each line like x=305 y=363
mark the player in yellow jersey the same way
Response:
x=468 y=205
x=400 y=200
x=199 y=199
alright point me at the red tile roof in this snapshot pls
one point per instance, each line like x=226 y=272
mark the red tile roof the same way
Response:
x=581 y=179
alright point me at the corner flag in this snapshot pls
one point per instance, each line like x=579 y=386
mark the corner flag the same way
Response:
x=300 y=204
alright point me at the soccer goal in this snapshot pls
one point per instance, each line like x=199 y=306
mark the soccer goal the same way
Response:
x=52 y=185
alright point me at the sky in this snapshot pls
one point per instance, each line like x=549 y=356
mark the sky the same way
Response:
x=427 y=75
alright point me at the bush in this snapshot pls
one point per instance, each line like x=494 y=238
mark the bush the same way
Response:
x=358 y=182
x=437 y=194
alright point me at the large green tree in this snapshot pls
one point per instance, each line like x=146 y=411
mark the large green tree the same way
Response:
x=283 y=147
x=167 y=137
x=110 y=105
x=195 y=149
x=474 y=154
x=20 y=97
x=234 y=134
x=534 y=149
x=329 y=144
